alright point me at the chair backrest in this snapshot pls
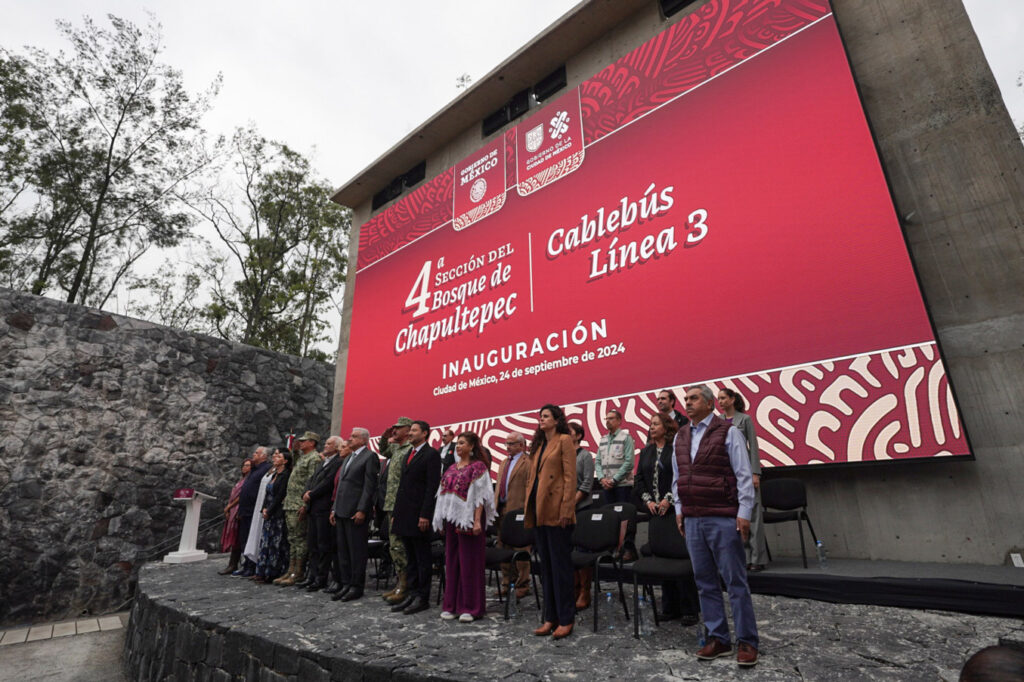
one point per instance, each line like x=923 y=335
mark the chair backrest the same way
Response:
x=665 y=539
x=596 y=530
x=625 y=510
x=514 y=532
x=596 y=497
x=783 y=493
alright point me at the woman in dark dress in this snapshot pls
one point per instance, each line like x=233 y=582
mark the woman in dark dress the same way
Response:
x=654 y=488
x=274 y=548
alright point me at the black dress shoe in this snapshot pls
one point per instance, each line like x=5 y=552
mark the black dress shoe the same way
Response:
x=316 y=587
x=229 y=570
x=334 y=588
x=305 y=582
x=419 y=604
x=340 y=594
x=352 y=594
x=667 y=616
x=401 y=606
x=688 y=620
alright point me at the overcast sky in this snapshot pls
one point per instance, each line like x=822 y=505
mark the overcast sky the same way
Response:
x=342 y=82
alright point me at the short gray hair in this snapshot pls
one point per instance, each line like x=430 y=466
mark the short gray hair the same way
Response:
x=705 y=391
x=337 y=439
x=362 y=433
x=518 y=437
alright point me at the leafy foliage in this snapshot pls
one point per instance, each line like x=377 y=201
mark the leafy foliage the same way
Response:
x=286 y=240
x=105 y=137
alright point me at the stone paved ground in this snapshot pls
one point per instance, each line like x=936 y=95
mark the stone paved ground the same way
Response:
x=801 y=640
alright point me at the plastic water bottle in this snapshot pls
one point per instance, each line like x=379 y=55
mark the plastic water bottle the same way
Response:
x=702 y=637
x=514 y=611
x=644 y=616
x=609 y=606
x=819 y=546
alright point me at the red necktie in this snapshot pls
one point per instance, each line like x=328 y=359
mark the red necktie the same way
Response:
x=411 y=454
x=336 y=477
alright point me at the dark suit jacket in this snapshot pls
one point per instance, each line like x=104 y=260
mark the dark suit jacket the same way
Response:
x=357 y=485
x=251 y=490
x=644 y=480
x=321 y=485
x=274 y=503
x=417 y=492
x=447 y=453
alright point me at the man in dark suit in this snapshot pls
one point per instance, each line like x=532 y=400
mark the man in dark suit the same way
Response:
x=447 y=451
x=413 y=514
x=318 y=500
x=667 y=406
x=353 y=504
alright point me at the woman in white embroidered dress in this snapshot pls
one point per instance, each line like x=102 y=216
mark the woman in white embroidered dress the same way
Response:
x=464 y=510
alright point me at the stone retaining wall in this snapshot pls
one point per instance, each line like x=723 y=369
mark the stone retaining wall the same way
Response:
x=101 y=418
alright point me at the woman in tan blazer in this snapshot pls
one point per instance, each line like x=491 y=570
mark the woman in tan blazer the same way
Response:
x=551 y=509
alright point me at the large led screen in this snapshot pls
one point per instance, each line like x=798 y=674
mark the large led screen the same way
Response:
x=710 y=208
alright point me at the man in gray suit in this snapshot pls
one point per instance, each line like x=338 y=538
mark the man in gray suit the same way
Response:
x=353 y=505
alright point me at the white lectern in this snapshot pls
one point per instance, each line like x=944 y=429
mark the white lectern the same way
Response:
x=187 y=551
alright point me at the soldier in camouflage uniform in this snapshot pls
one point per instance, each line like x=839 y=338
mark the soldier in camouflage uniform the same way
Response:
x=395 y=447
x=295 y=517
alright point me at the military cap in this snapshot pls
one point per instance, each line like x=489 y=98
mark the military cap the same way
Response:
x=403 y=421
x=309 y=435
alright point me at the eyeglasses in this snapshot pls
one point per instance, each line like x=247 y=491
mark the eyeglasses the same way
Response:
x=511 y=442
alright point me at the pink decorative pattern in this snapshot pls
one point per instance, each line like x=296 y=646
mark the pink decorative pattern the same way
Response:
x=480 y=212
x=426 y=207
x=878 y=406
x=550 y=174
x=714 y=38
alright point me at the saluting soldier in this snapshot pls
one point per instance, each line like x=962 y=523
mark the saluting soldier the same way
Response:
x=395 y=447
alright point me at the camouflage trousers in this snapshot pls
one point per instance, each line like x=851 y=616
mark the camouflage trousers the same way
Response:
x=396 y=547
x=296 y=534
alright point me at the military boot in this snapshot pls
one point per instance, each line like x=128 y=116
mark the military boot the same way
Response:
x=294 y=575
x=400 y=591
x=390 y=593
x=283 y=576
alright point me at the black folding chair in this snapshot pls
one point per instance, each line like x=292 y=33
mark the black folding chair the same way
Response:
x=628 y=513
x=513 y=533
x=596 y=538
x=788 y=497
x=437 y=558
x=669 y=560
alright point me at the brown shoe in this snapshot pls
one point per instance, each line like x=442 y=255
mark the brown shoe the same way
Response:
x=746 y=655
x=544 y=630
x=561 y=632
x=522 y=591
x=713 y=649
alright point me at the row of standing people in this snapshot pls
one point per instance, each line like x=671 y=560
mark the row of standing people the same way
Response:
x=556 y=481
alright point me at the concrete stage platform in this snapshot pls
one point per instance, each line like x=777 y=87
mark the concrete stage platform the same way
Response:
x=188 y=623
x=966 y=588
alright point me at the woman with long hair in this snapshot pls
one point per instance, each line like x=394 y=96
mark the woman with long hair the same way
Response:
x=274 y=550
x=733 y=408
x=551 y=510
x=229 y=536
x=464 y=510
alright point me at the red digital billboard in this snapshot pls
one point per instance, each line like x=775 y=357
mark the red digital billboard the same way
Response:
x=710 y=208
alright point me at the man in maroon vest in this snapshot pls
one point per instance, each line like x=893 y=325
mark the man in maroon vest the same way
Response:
x=714 y=499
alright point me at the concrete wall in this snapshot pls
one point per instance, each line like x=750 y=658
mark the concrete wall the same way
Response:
x=955 y=165
x=101 y=418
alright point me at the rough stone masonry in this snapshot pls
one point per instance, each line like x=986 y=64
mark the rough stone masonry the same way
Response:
x=101 y=418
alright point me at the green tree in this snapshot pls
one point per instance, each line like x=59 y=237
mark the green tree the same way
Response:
x=286 y=242
x=112 y=138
